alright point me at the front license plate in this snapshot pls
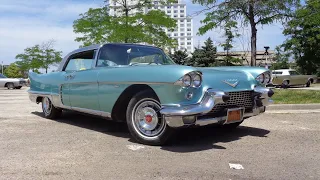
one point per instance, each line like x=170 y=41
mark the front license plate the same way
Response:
x=234 y=115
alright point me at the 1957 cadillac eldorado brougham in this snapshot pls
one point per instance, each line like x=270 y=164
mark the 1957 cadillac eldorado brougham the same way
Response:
x=143 y=87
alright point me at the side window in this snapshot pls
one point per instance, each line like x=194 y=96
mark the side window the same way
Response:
x=148 y=59
x=293 y=72
x=80 y=61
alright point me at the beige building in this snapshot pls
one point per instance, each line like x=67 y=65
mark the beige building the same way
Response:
x=261 y=57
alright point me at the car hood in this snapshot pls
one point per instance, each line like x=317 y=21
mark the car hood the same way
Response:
x=227 y=80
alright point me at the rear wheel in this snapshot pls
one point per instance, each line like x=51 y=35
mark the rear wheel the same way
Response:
x=285 y=84
x=10 y=85
x=49 y=110
x=144 y=120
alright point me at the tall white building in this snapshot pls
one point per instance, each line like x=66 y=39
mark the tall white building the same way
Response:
x=184 y=30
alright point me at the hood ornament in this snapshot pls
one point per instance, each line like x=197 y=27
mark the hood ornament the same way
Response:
x=231 y=82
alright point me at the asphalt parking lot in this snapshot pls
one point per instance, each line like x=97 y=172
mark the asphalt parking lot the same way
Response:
x=270 y=146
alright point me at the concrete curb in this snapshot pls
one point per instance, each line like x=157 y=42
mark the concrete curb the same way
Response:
x=277 y=107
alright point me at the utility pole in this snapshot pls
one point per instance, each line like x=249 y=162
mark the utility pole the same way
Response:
x=267 y=54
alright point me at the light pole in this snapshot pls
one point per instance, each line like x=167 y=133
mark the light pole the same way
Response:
x=1 y=67
x=267 y=54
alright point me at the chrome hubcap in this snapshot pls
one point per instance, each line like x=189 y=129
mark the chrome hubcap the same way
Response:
x=46 y=103
x=147 y=118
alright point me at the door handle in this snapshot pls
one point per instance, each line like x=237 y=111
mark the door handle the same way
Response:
x=69 y=76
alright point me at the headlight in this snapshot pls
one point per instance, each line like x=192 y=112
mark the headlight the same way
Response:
x=186 y=80
x=260 y=78
x=191 y=79
x=196 y=80
x=267 y=77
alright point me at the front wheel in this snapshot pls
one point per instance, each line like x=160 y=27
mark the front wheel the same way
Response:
x=144 y=120
x=308 y=83
x=49 y=110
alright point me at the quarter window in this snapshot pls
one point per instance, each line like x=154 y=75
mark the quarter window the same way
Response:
x=80 y=61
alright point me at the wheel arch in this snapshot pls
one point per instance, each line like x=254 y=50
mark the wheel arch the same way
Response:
x=6 y=84
x=120 y=108
x=311 y=80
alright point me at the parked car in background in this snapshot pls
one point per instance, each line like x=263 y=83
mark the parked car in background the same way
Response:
x=143 y=87
x=11 y=83
x=290 y=77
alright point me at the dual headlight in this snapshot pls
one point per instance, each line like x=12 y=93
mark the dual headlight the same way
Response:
x=264 y=78
x=192 y=79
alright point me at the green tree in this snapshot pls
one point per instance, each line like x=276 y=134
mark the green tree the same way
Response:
x=128 y=25
x=303 y=37
x=230 y=32
x=13 y=71
x=248 y=12
x=39 y=56
x=179 y=57
x=30 y=59
x=281 y=58
x=49 y=55
x=204 y=56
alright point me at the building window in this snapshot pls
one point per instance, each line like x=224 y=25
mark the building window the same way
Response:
x=182 y=11
x=181 y=29
x=181 y=15
x=175 y=34
x=188 y=25
x=189 y=20
x=189 y=29
x=181 y=6
x=189 y=34
x=175 y=15
x=181 y=25
x=168 y=11
x=182 y=43
x=181 y=20
x=188 y=43
x=175 y=11
x=181 y=34
x=189 y=47
x=188 y=38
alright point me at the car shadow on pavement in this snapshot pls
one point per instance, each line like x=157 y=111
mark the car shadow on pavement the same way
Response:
x=204 y=138
x=183 y=141
x=93 y=123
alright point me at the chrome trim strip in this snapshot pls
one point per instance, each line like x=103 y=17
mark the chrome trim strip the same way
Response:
x=135 y=82
x=56 y=101
x=93 y=112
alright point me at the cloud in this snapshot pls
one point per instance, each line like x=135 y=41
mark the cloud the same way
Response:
x=26 y=23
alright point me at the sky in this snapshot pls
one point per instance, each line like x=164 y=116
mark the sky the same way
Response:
x=25 y=23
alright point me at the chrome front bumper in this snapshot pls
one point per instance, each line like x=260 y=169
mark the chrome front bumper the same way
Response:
x=179 y=116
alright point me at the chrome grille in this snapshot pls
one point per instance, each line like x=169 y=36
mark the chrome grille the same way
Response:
x=237 y=99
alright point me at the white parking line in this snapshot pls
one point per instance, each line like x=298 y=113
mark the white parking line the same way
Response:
x=235 y=166
x=135 y=147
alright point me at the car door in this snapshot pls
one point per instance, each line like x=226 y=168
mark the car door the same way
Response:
x=295 y=78
x=81 y=81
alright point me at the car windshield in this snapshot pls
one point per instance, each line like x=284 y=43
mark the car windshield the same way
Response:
x=2 y=76
x=125 y=54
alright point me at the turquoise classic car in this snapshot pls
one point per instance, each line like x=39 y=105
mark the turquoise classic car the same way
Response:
x=143 y=87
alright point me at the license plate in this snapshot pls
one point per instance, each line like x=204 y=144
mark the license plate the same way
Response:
x=234 y=115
